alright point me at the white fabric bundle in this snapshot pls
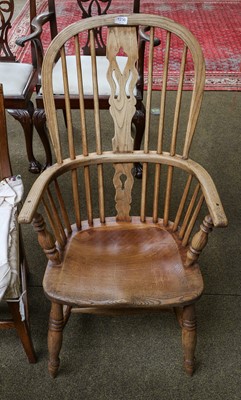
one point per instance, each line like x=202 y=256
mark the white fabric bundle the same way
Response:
x=11 y=193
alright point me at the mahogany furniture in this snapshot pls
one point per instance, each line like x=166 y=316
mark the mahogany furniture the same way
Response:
x=88 y=8
x=16 y=292
x=116 y=244
x=19 y=79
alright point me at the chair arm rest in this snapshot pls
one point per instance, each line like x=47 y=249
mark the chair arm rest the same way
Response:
x=209 y=190
x=35 y=194
x=210 y=193
x=37 y=24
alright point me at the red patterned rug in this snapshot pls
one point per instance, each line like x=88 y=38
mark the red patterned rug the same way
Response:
x=216 y=25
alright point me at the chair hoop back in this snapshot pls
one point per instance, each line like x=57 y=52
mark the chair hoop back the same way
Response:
x=169 y=30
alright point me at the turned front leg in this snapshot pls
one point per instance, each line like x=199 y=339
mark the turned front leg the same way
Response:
x=189 y=337
x=199 y=241
x=55 y=335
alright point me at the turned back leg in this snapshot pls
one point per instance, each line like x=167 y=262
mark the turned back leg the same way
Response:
x=23 y=331
x=189 y=337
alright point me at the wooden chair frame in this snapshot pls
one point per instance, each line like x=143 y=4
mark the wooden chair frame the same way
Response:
x=83 y=250
x=21 y=106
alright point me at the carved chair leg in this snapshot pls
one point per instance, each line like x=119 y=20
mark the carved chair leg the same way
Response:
x=189 y=337
x=55 y=335
x=22 y=329
x=139 y=122
x=25 y=117
x=39 y=119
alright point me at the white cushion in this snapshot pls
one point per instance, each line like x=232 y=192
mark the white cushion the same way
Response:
x=102 y=64
x=13 y=288
x=14 y=77
x=11 y=192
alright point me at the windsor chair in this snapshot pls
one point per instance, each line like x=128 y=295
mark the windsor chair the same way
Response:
x=116 y=244
x=13 y=291
x=20 y=79
x=87 y=9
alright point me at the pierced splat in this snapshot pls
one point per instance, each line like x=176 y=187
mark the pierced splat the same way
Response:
x=122 y=100
x=94 y=7
x=123 y=181
x=6 y=13
x=90 y=8
x=122 y=108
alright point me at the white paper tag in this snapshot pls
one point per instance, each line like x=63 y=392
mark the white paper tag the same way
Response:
x=121 y=20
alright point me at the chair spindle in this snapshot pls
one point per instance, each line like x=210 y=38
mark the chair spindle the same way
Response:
x=62 y=207
x=182 y=203
x=189 y=211
x=76 y=199
x=192 y=221
x=101 y=192
x=178 y=103
x=81 y=97
x=67 y=105
x=88 y=195
x=156 y=192
x=56 y=216
x=163 y=94
x=95 y=93
x=54 y=221
x=149 y=92
x=143 y=192
x=168 y=195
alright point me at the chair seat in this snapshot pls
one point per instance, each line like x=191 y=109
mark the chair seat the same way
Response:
x=123 y=265
x=14 y=77
x=102 y=67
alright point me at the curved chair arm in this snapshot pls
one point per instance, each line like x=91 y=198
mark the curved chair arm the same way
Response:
x=35 y=38
x=33 y=199
x=209 y=190
x=146 y=38
x=210 y=193
x=37 y=25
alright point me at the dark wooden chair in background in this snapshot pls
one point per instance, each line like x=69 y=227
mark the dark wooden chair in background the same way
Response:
x=16 y=292
x=143 y=256
x=19 y=79
x=87 y=9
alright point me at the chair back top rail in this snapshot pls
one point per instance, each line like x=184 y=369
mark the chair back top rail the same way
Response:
x=123 y=24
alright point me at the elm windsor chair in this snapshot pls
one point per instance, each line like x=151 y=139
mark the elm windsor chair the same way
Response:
x=16 y=290
x=143 y=255
x=87 y=9
x=20 y=79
